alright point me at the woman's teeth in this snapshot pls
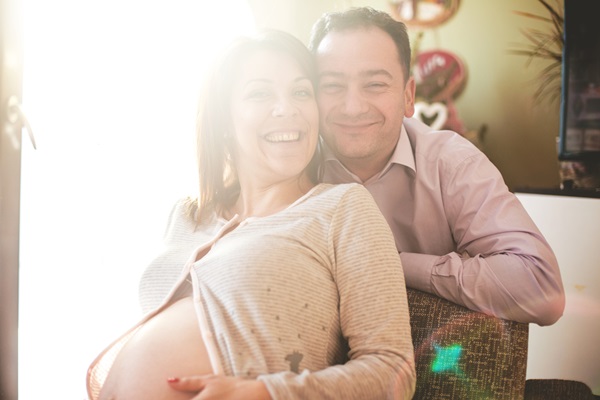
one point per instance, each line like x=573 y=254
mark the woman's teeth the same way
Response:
x=282 y=137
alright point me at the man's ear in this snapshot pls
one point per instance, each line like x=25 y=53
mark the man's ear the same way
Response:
x=409 y=97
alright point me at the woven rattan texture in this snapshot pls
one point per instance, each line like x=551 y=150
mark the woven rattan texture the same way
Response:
x=462 y=354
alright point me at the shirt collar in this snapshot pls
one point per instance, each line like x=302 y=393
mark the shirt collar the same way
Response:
x=403 y=155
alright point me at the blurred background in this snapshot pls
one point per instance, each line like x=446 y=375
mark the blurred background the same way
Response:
x=110 y=89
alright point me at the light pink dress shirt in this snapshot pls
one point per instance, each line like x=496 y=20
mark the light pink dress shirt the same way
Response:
x=461 y=233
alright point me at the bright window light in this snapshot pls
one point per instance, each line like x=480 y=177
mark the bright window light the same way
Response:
x=110 y=89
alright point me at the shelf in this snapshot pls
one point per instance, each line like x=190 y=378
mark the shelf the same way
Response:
x=593 y=193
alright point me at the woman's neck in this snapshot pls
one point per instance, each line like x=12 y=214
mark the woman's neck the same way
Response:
x=263 y=200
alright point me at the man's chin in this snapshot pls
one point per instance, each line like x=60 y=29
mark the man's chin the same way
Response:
x=353 y=154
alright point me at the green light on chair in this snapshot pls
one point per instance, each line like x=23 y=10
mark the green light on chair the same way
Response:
x=446 y=358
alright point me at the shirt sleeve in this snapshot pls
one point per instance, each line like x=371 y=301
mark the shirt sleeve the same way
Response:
x=373 y=312
x=502 y=266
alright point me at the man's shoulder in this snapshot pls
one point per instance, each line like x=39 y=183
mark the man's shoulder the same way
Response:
x=438 y=145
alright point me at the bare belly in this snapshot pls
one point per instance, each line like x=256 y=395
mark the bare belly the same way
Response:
x=169 y=345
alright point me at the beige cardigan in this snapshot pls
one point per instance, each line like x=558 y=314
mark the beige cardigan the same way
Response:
x=310 y=300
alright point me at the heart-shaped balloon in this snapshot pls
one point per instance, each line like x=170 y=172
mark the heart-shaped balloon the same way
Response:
x=435 y=114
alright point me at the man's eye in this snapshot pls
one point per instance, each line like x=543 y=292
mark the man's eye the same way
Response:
x=330 y=87
x=377 y=86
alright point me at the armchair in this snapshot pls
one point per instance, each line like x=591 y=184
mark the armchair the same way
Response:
x=552 y=389
x=463 y=354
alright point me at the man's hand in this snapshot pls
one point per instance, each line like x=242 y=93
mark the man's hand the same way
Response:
x=213 y=387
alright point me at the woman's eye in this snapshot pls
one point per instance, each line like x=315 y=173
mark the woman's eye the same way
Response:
x=258 y=95
x=303 y=93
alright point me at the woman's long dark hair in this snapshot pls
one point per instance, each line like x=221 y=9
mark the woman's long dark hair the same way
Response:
x=218 y=182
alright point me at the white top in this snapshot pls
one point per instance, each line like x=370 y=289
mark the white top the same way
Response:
x=290 y=298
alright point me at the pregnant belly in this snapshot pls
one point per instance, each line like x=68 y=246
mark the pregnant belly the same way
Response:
x=169 y=345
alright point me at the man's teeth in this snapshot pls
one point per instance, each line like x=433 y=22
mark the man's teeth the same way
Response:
x=283 y=137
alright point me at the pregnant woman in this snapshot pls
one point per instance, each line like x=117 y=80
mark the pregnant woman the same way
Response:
x=271 y=285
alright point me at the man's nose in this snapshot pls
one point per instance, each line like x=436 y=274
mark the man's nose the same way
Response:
x=354 y=103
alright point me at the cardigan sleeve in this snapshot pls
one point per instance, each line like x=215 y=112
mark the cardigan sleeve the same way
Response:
x=373 y=313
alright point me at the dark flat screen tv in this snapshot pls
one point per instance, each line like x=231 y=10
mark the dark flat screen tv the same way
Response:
x=579 y=136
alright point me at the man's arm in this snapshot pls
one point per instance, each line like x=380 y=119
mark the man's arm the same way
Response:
x=502 y=265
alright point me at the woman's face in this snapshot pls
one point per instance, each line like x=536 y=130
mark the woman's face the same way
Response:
x=275 y=118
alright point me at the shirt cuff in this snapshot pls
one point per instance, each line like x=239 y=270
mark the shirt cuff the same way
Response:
x=418 y=269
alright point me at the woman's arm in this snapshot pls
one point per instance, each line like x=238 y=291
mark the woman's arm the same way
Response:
x=373 y=316
x=215 y=387
x=373 y=313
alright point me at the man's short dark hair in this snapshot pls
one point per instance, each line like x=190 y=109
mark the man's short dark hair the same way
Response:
x=364 y=17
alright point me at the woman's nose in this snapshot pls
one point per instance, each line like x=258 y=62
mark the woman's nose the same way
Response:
x=284 y=107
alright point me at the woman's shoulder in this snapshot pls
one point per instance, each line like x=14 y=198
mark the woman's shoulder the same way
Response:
x=345 y=190
x=182 y=220
x=181 y=214
x=339 y=189
x=341 y=195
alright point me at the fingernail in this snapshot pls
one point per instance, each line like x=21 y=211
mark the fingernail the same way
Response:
x=172 y=380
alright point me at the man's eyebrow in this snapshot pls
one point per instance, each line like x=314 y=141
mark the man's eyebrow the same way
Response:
x=364 y=74
x=375 y=72
x=330 y=74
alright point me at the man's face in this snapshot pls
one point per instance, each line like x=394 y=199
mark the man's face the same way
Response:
x=363 y=96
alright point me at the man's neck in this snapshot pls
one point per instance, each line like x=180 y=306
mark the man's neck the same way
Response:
x=365 y=168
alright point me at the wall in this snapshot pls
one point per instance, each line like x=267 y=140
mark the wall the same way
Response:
x=569 y=349
x=521 y=137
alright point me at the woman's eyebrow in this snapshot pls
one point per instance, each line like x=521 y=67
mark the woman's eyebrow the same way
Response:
x=302 y=78
x=269 y=81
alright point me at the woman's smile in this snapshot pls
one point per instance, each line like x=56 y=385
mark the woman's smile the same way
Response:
x=275 y=118
x=278 y=137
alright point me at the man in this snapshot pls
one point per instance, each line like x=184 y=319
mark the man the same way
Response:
x=461 y=234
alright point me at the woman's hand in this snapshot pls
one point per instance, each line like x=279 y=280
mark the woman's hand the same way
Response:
x=209 y=387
